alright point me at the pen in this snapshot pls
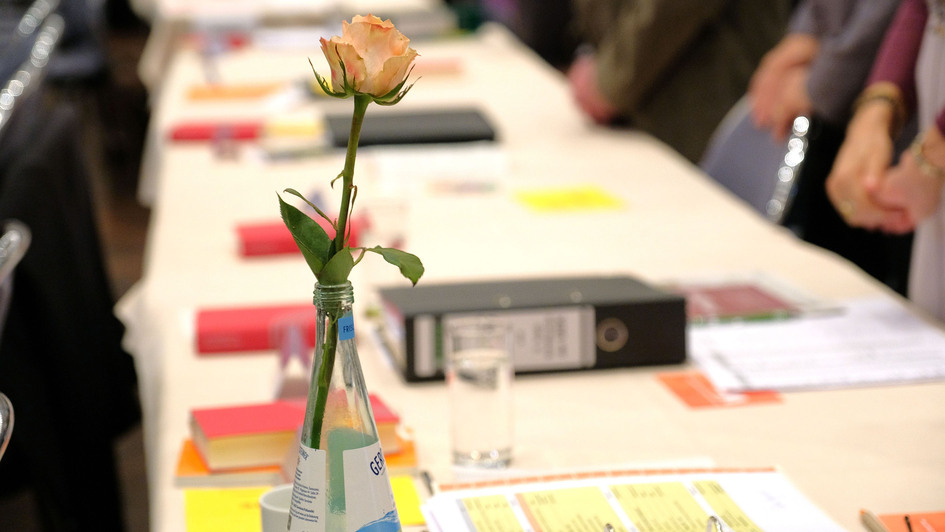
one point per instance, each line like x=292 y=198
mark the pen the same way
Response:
x=871 y=522
x=428 y=482
x=908 y=524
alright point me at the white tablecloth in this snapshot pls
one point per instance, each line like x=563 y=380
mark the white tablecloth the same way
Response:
x=879 y=448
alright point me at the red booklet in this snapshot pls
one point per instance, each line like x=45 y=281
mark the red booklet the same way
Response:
x=273 y=238
x=261 y=328
x=733 y=301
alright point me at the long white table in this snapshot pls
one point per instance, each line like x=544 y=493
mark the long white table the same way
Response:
x=172 y=20
x=881 y=448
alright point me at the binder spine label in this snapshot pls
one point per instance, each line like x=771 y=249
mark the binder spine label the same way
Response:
x=427 y=358
x=548 y=339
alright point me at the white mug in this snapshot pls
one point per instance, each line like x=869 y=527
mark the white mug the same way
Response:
x=274 y=508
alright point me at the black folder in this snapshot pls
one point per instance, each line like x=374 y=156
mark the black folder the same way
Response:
x=559 y=324
x=413 y=127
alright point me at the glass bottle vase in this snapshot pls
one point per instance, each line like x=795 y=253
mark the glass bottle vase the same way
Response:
x=341 y=482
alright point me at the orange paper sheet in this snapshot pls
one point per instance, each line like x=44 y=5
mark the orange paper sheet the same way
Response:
x=694 y=389
x=233 y=91
x=921 y=522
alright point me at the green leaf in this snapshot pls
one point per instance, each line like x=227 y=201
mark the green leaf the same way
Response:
x=409 y=264
x=311 y=239
x=338 y=268
x=325 y=86
x=299 y=195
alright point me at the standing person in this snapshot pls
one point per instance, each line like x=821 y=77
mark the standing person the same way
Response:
x=672 y=68
x=820 y=66
x=817 y=70
x=865 y=185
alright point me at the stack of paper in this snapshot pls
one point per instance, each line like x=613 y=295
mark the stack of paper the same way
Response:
x=867 y=342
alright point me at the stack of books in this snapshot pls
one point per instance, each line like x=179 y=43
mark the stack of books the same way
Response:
x=257 y=444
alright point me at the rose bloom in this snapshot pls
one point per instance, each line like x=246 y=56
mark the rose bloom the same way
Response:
x=371 y=57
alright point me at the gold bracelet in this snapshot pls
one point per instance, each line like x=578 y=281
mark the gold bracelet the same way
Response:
x=887 y=92
x=926 y=166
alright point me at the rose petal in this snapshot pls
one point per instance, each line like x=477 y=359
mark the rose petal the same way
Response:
x=394 y=71
x=376 y=56
x=355 y=67
x=372 y=19
x=330 y=49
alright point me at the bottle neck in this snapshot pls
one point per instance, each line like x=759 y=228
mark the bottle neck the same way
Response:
x=333 y=295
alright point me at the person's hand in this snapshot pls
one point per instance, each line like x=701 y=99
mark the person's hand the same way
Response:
x=861 y=164
x=582 y=76
x=794 y=102
x=911 y=194
x=778 y=88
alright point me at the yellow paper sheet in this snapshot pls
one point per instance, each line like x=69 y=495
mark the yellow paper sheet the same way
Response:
x=223 y=509
x=237 y=509
x=579 y=198
x=407 y=500
x=569 y=509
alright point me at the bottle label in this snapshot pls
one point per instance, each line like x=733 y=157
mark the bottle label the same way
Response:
x=346 y=327
x=307 y=509
x=370 y=505
x=370 y=502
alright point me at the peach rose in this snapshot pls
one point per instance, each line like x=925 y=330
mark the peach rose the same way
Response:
x=370 y=57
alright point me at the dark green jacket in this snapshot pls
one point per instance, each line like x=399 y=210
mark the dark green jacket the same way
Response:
x=675 y=67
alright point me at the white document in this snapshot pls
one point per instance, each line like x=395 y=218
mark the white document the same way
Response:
x=871 y=342
x=463 y=168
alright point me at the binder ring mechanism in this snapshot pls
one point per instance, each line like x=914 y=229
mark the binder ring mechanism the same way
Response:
x=712 y=525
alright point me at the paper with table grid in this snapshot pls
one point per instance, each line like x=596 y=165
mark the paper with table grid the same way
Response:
x=867 y=343
x=760 y=500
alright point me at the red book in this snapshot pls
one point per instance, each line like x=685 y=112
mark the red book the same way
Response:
x=265 y=238
x=274 y=238
x=387 y=422
x=259 y=435
x=227 y=330
x=200 y=131
x=252 y=435
x=192 y=472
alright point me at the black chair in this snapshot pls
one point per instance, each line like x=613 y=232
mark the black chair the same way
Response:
x=746 y=161
x=61 y=359
x=13 y=245
x=785 y=183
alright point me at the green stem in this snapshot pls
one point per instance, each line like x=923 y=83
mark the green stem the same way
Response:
x=329 y=348
x=323 y=382
x=361 y=102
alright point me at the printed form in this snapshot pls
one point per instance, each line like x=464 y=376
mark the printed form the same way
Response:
x=870 y=342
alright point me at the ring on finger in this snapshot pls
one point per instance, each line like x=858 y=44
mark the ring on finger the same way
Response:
x=846 y=208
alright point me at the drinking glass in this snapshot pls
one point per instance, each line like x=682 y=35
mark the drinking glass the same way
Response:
x=479 y=376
